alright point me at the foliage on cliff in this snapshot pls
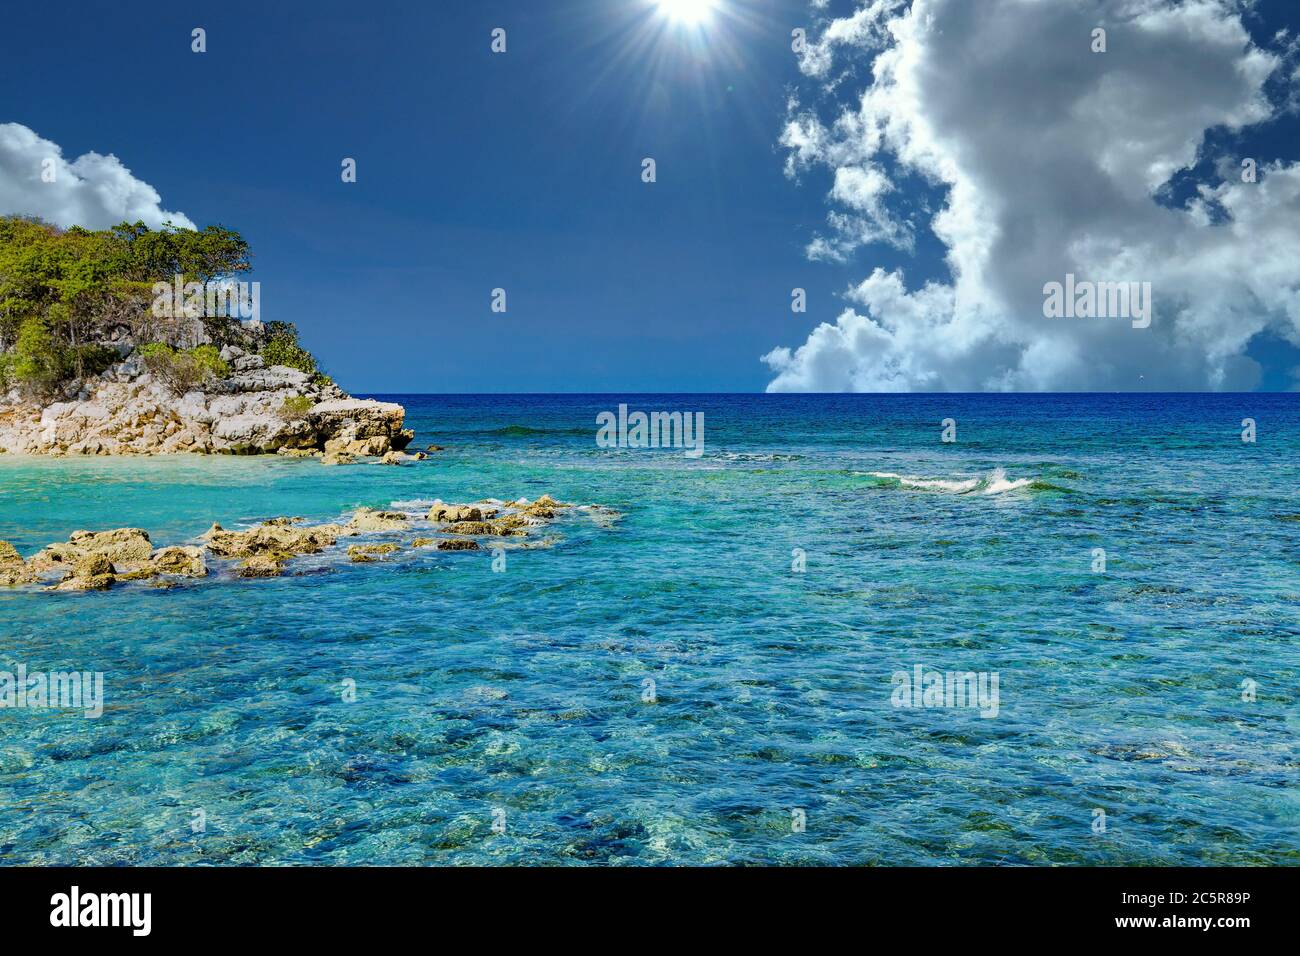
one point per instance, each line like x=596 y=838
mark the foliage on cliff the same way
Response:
x=66 y=295
x=183 y=369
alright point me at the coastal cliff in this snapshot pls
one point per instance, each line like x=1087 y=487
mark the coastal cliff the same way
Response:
x=256 y=409
x=132 y=341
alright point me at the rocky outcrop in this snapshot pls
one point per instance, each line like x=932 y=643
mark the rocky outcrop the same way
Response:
x=459 y=513
x=255 y=409
x=360 y=426
x=13 y=569
x=544 y=507
x=267 y=548
x=367 y=519
x=485 y=519
x=121 y=545
x=183 y=561
x=272 y=538
x=465 y=545
x=98 y=560
x=364 y=553
x=268 y=565
x=91 y=572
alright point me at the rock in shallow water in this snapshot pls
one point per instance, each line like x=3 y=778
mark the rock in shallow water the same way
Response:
x=267 y=565
x=453 y=513
x=92 y=572
x=13 y=569
x=180 y=560
x=362 y=553
x=459 y=545
x=121 y=545
x=368 y=519
x=271 y=539
x=96 y=560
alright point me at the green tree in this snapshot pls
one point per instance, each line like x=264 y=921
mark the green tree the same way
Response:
x=66 y=294
x=38 y=359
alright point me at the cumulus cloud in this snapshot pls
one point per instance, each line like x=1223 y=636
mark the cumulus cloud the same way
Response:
x=1051 y=159
x=93 y=190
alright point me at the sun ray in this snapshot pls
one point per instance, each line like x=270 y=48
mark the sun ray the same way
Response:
x=694 y=12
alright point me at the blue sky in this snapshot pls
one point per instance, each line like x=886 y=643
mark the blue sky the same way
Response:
x=522 y=171
x=475 y=171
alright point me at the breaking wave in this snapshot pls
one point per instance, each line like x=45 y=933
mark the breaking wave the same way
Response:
x=995 y=482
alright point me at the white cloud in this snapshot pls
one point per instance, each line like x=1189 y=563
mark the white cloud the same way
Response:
x=864 y=26
x=1049 y=157
x=93 y=191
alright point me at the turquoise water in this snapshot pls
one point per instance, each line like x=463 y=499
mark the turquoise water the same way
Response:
x=517 y=697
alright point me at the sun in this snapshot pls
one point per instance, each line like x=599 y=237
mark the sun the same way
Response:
x=687 y=11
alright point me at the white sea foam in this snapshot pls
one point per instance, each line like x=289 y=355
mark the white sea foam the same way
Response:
x=998 y=482
x=415 y=504
x=747 y=456
x=995 y=482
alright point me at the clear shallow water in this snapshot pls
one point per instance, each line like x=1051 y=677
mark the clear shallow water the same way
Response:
x=522 y=690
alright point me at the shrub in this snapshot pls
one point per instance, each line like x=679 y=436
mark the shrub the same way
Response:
x=281 y=351
x=38 y=361
x=208 y=358
x=183 y=371
x=296 y=407
x=282 y=348
x=84 y=361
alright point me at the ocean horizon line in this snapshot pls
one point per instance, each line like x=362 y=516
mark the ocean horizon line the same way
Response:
x=363 y=393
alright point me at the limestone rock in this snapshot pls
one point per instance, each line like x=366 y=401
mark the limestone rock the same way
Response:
x=361 y=553
x=456 y=513
x=121 y=545
x=96 y=560
x=126 y=412
x=544 y=507
x=93 y=572
x=334 y=530
x=509 y=525
x=352 y=420
x=267 y=539
x=180 y=560
x=13 y=569
x=267 y=565
x=368 y=519
x=466 y=544
x=447 y=544
x=469 y=527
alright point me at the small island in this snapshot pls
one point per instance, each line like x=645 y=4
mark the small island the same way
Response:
x=98 y=358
